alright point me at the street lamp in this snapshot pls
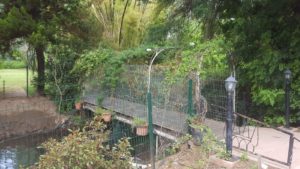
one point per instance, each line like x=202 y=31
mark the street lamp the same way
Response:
x=288 y=77
x=230 y=84
x=149 y=101
x=149 y=104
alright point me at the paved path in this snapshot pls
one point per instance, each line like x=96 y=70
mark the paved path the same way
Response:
x=13 y=92
x=265 y=142
x=271 y=143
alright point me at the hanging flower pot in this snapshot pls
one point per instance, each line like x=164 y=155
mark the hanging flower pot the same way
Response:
x=141 y=126
x=106 y=117
x=78 y=105
x=142 y=130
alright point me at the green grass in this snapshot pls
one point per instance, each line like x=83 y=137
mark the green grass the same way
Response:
x=15 y=78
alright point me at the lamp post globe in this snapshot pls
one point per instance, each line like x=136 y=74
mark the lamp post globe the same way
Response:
x=230 y=84
x=287 y=74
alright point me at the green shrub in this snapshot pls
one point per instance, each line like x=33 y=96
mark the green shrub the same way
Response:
x=86 y=150
x=12 y=64
x=78 y=121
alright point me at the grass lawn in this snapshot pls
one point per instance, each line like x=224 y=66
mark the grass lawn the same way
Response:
x=15 y=78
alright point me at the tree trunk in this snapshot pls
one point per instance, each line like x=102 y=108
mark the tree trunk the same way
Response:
x=122 y=21
x=210 y=21
x=40 y=69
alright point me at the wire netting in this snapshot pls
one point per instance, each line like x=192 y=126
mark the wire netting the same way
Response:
x=169 y=99
x=128 y=100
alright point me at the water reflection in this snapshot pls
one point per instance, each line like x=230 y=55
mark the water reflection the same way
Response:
x=24 y=151
x=12 y=158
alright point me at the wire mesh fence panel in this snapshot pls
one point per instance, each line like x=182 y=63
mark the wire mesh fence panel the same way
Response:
x=169 y=100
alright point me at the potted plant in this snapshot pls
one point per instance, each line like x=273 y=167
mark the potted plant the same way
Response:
x=105 y=114
x=78 y=103
x=197 y=129
x=141 y=126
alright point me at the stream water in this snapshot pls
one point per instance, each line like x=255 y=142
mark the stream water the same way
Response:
x=24 y=151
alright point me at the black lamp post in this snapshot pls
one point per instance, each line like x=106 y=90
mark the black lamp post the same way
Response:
x=230 y=84
x=288 y=77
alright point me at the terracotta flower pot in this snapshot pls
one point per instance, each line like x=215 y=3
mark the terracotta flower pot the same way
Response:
x=78 y=105
x=106 y=117
x=142 y=130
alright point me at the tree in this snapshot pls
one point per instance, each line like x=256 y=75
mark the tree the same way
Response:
x=265 y=37
x=123 y=22
x=39 y=23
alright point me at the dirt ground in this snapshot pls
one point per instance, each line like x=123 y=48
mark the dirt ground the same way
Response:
x=20 y=116
x=194 y=158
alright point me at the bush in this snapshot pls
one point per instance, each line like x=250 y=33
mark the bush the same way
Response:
x=12 y=64
x=86 y=150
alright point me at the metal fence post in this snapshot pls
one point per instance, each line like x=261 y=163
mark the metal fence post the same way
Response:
x=290 y=153
x=4 y=88
x=150 y=129
x=27 y=81
x=190 y=98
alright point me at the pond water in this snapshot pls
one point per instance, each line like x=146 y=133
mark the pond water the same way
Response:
x=25 y=151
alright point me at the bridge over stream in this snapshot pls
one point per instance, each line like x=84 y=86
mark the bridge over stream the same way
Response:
x=170 y=100
x=167 y=123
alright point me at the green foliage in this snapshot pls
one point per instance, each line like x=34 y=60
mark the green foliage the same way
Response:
x=31 y=90
x=206 y=57
x=78 y=99
x=267 y=96
x=100 y=99
x=86 y=150
x=77 y=121
x=100 y=111
x=138 y=122
x=244 y=157
x=107 y=64
x=274 y=120
x=262 y=52
x=12 y=64
x=42 y=24
x=197 y=122
x=61 y=83
x=175 y=147
x=123 y=23
x=224 y=155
